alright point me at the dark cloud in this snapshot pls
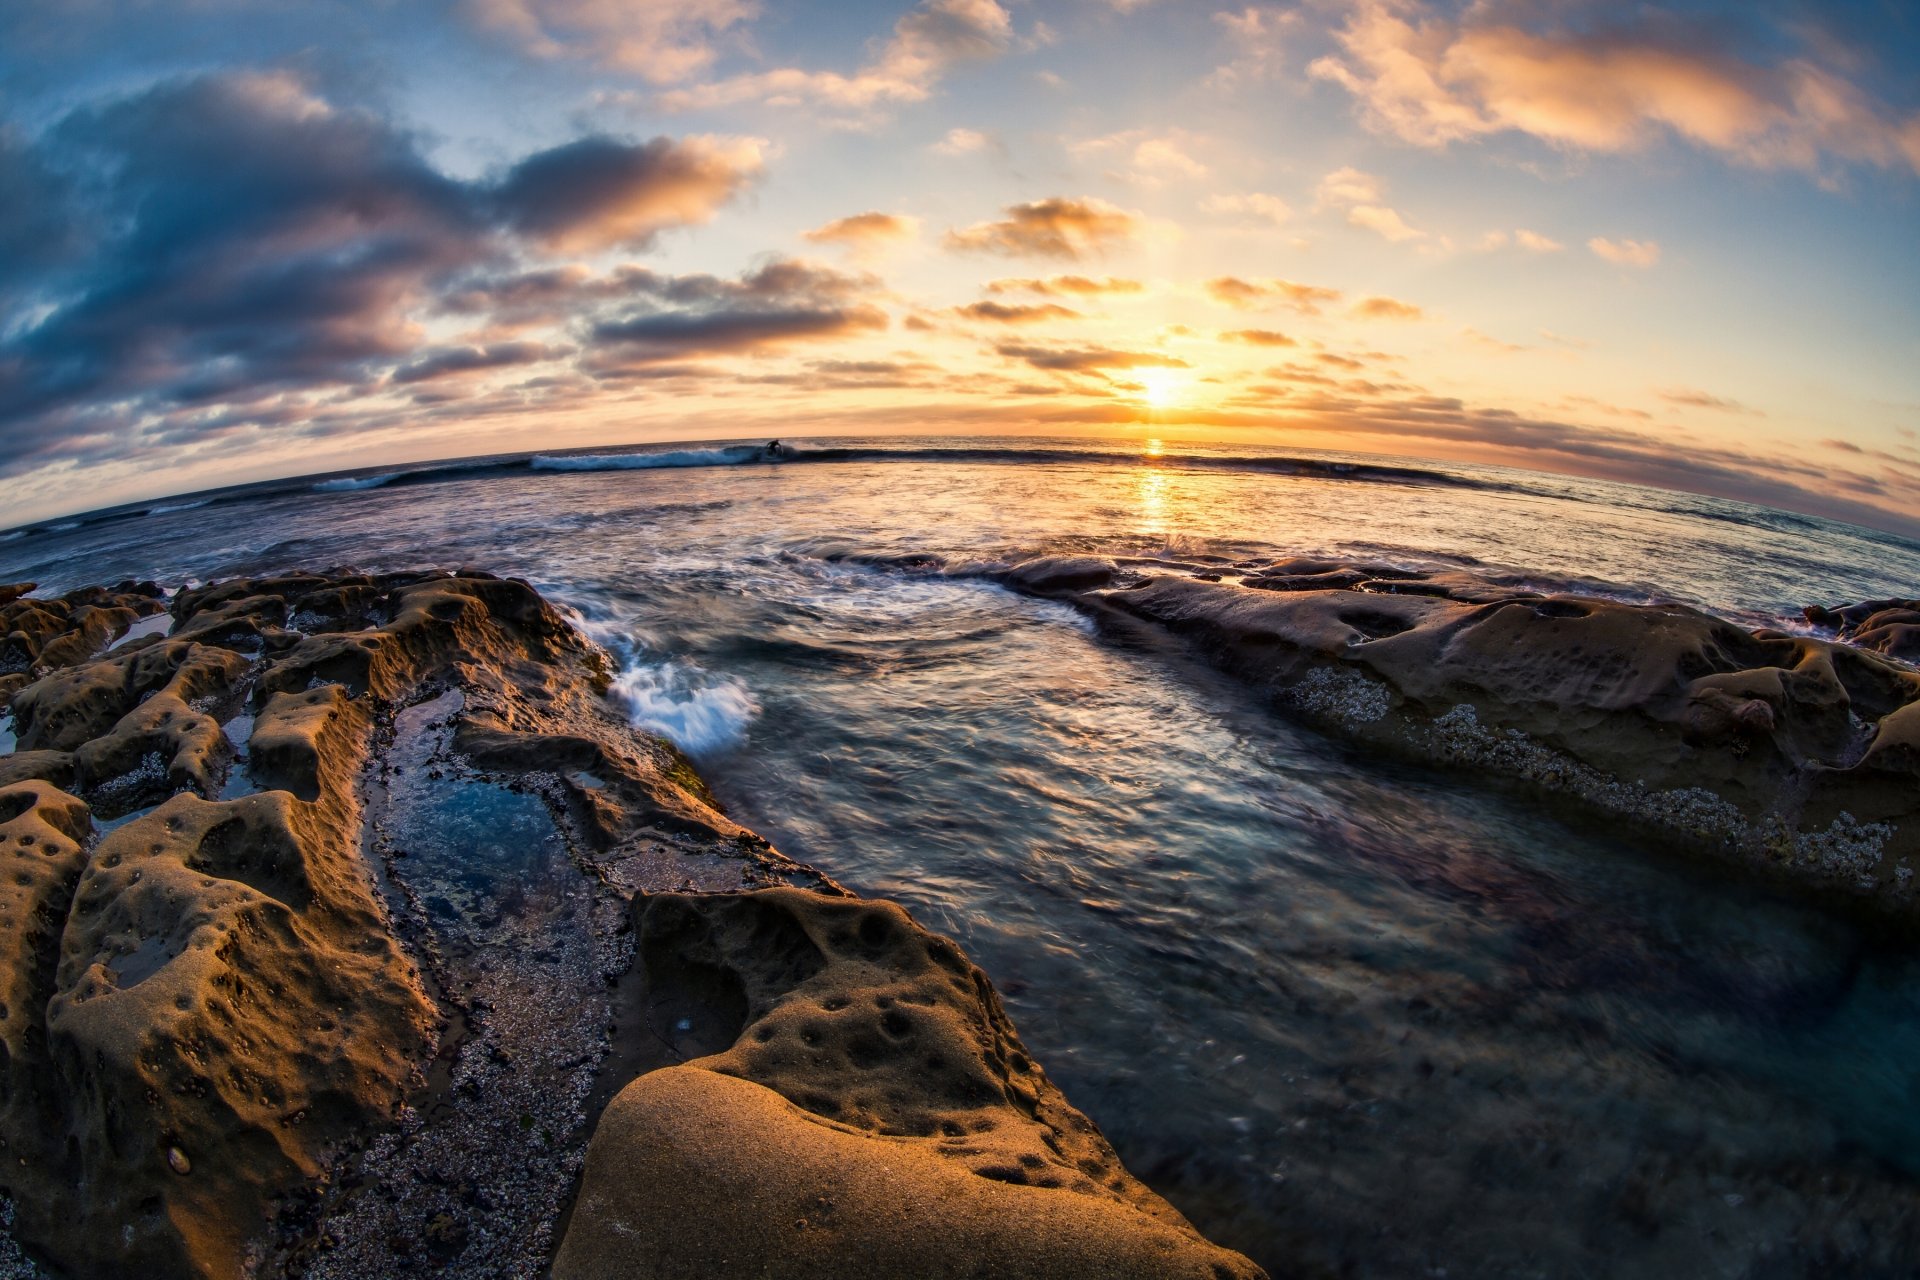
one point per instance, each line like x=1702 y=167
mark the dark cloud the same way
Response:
x=1087 y=359
x=252 y=238
x=453 y=361
x=595 y=193
x=778 y=303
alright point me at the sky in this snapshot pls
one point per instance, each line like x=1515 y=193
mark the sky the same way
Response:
x=1676 y=246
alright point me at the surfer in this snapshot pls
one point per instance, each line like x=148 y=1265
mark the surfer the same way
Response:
x=774 y=451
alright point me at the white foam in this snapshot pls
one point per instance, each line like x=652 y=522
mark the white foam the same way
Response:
x=351 y=484
x=696 y=711
x=177 y=506
x=62 y=528
x=729 y=457
x=9 y=537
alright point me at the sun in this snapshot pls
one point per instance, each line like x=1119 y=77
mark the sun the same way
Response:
x=1162 y=388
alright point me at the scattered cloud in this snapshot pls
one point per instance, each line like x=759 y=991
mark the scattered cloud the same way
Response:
x=1066 y=286
x=1057 y=227
x=1384 y=222
x=779 y=303
x=1255 y=206
x=1625 y=253
x=1385 y=309
x=963 y=142
x=1348 y=186
x=1017 y=313
x=1254 y=33
x=865 y=234
x=1359 y=195
x=1088 y=359
x=1259 y=337
x=598 y=192
x=927 y=42
x=1689 y=398
x=660 y=40
x=1146 y=158
x=1430 y=79
x=1255 y=294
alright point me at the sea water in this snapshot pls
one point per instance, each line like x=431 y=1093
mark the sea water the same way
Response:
x=1349 y=1016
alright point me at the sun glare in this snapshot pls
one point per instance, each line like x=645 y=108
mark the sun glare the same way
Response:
x=1162 y=388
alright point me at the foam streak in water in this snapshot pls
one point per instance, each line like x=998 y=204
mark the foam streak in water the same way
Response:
x=696 y=711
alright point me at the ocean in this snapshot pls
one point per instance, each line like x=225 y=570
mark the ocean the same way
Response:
x=1351 y=1016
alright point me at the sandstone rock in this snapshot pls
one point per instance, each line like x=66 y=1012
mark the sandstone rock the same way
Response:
x=870 y=1111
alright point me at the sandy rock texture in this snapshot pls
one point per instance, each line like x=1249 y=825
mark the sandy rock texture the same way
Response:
x=338 y=905
x=1795 y=754
x=204 y=1008
x=848 y=1098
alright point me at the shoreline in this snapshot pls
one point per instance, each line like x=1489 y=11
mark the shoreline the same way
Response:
x=397 y=734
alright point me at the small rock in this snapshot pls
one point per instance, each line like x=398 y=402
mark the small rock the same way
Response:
x=178 y=1162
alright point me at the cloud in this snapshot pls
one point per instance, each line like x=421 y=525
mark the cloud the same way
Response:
x=1254 y=33
x=1259 y=338
x=1150 y=159
x=779 y=303
x=927 y=42
x=1430 y=80
x=1253 y=294
x=865 y=233
x=1057 y=227
x=1066 y=286
x=1017 y=313
x=1383 y=222
x=1689 y=398
x=1254 y=206
x=1385 y=309
x=1534 y=242
x=596 y=192
x=660 y=40
x=1360 y=195
x=1625 y=253
x=253 y=240
x=962 y=142
x=1088 y=359
x=453 y=361
x=1348 y=186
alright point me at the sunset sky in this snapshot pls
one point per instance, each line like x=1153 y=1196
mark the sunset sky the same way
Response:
x=1677 y=246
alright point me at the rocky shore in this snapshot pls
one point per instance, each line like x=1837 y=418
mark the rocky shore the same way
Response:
x=350 y=931
x=1794 y=755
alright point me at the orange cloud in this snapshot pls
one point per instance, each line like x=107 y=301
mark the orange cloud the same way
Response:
x=865 y=231
x=1433 y=81
x=1259 y=338
x=1386 y=309
x=1625 y=253
x=1015 y=313
x=1057 y=286
x=1058 y=227
x=927 y=42
x=1249 y=294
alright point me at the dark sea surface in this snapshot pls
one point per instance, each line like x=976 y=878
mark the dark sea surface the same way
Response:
x=1353 y=1018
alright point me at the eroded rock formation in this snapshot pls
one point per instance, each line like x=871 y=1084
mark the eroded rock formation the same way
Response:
x=859 y=1105
x=1795 y=754
x=323 y=889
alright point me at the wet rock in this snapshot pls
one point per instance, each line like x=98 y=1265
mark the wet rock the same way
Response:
x=1796 y=756
x=861 y=1105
